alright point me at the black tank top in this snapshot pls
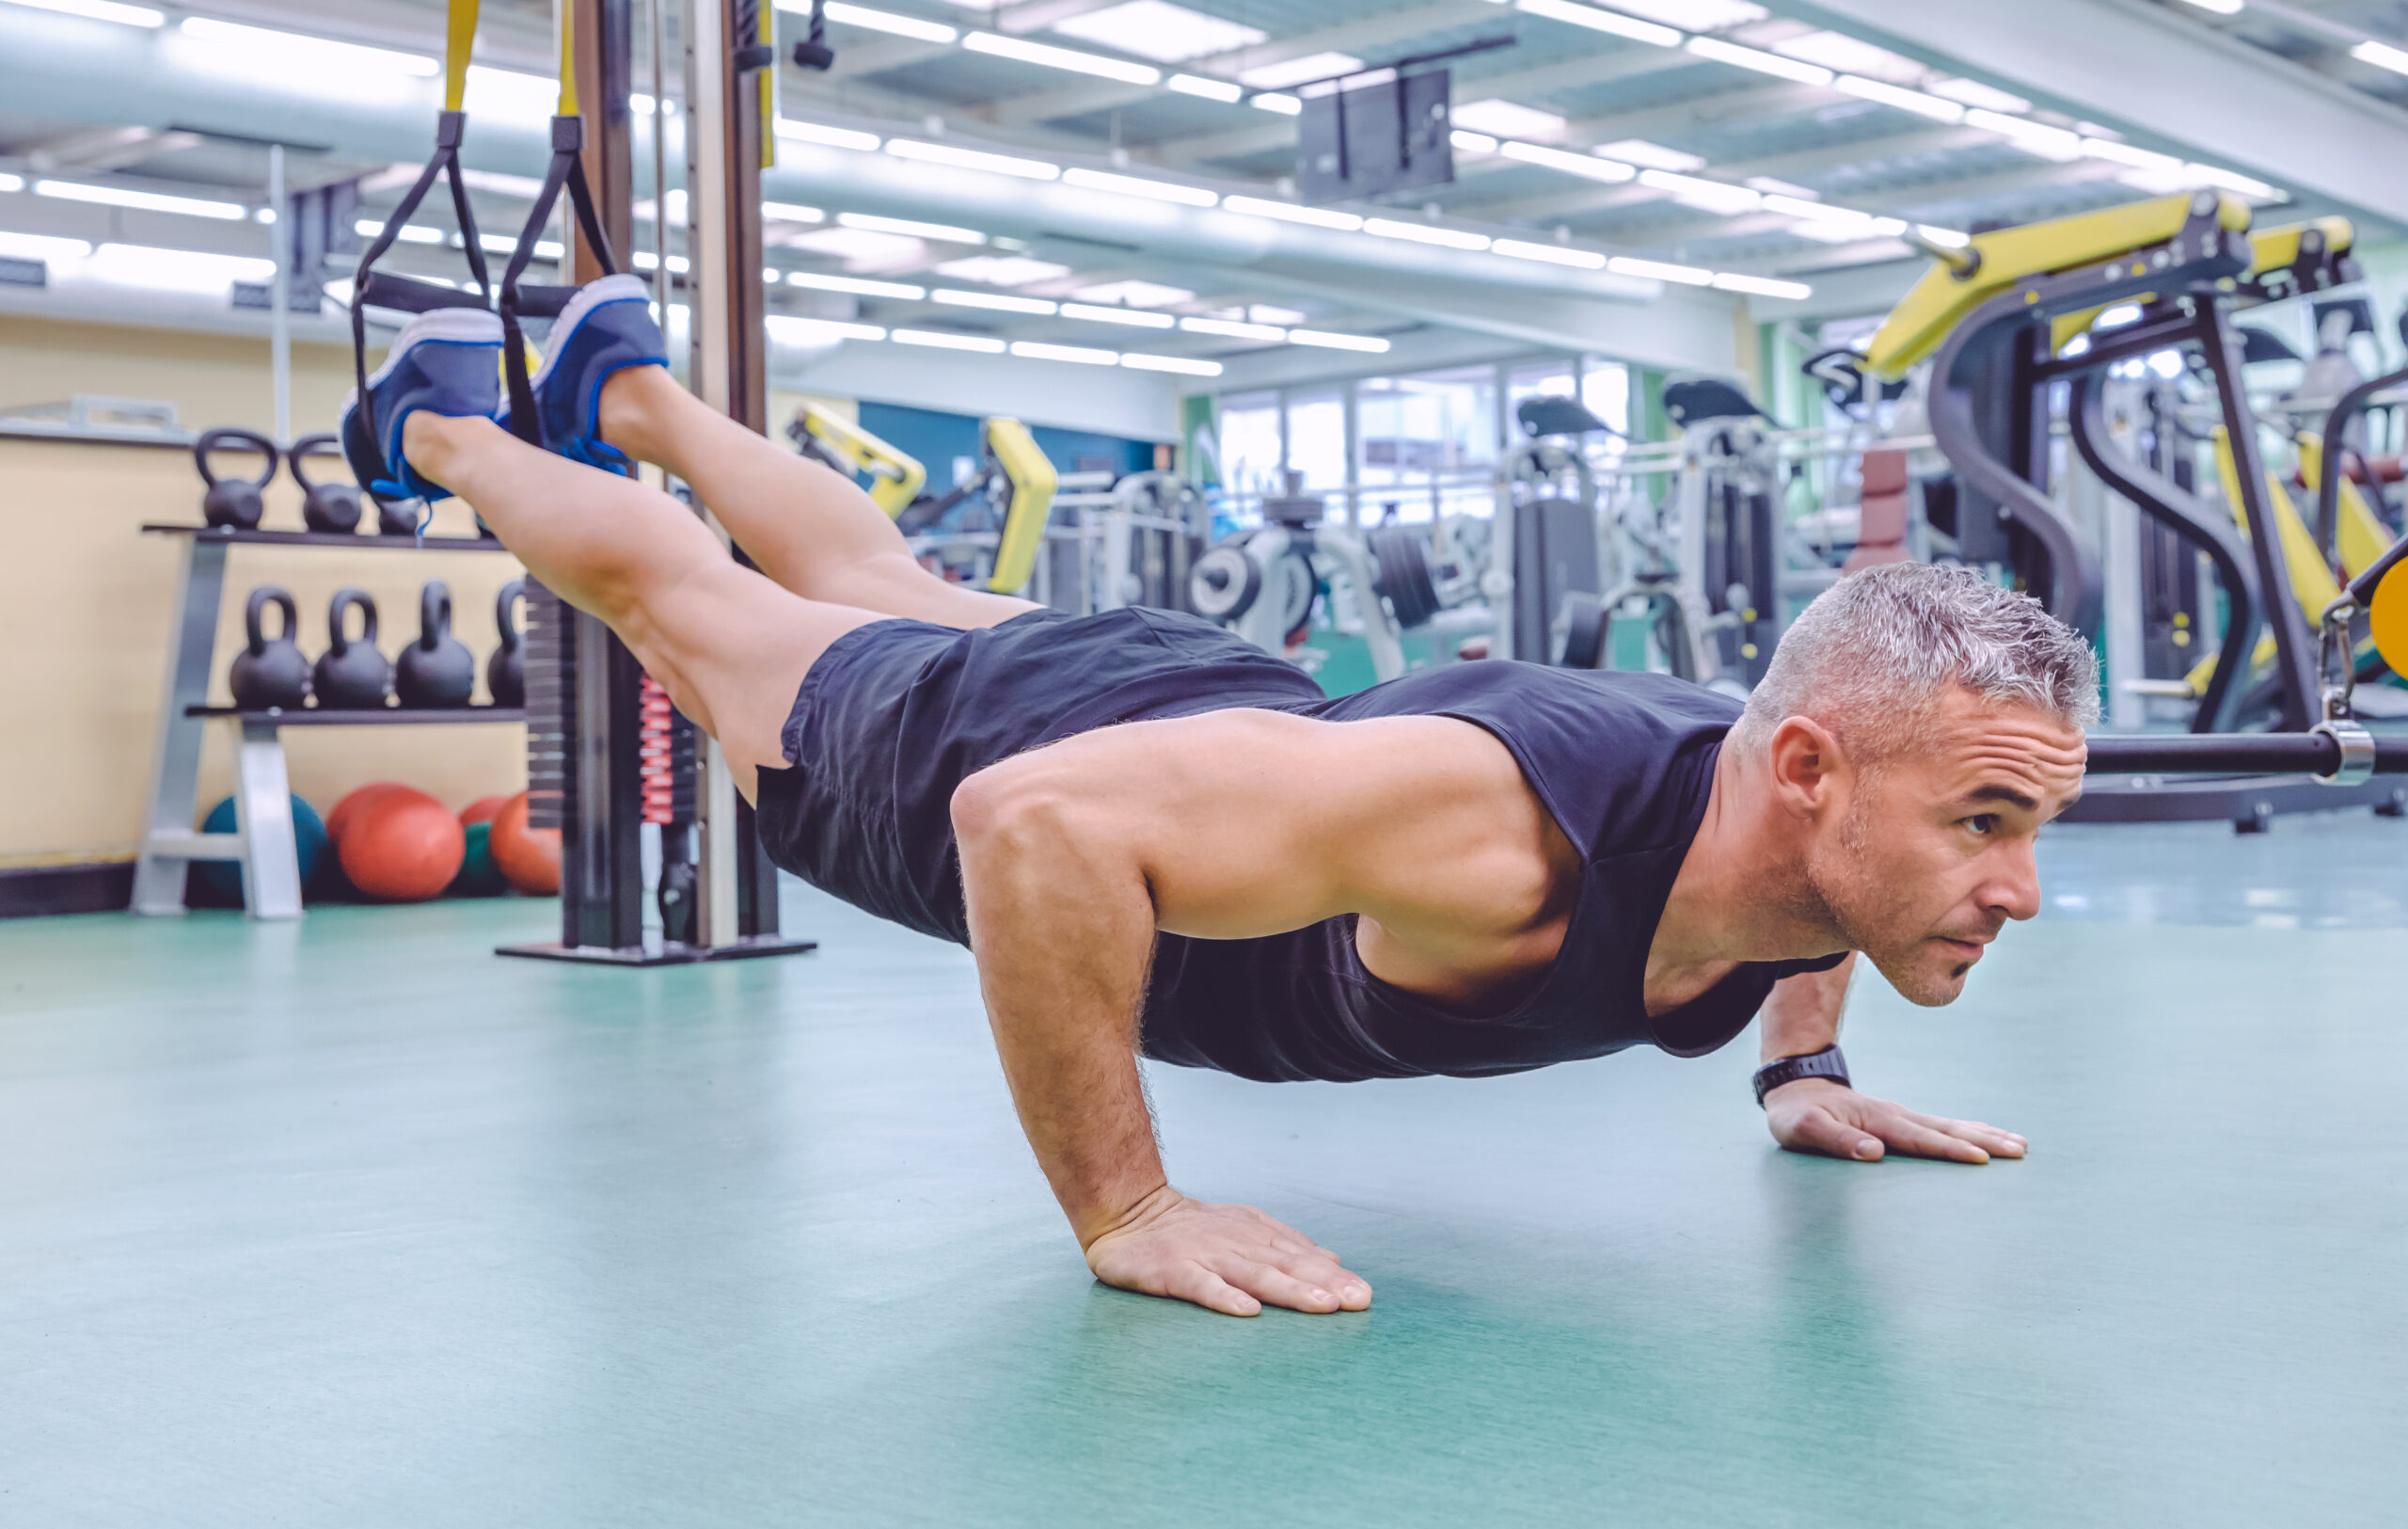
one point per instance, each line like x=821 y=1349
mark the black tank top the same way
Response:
x=1623 y=762
x=898 y=714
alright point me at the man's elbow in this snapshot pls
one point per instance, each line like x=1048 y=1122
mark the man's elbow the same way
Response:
x=1012 y=810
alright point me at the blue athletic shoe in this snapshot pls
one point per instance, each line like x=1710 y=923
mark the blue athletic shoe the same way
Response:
x=606 y=327
x=447 y=360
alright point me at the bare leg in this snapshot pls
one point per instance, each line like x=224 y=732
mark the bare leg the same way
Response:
x=730 y=647
x=808 y=528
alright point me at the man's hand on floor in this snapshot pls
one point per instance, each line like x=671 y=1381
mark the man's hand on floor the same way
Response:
x=1814 y=1114
x=1225 y=1258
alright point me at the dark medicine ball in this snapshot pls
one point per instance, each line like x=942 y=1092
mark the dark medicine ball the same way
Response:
x=218 y=884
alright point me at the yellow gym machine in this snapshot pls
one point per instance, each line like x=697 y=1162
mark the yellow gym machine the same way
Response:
x=1014 y=467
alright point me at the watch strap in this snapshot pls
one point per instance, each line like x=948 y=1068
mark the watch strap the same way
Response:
x=1827 y=1062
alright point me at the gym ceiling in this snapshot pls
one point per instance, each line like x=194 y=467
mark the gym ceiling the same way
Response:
x=1625 y=174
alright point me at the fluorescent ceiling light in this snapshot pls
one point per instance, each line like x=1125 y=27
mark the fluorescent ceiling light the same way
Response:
x=411 y=233
x=1661 y=270
x=1313 y=65
x=974 y=159
x=1232 y=329
x=11 y=183
x=2222 y=7
x=492 y=243
x=1771 y=187
x=943 y=232
x=1471 y=143
x=861 y=245
x=1509 y=120
x=2381 y=54
x=1192 y=366
x=796 y=331
x=1707 y=196
x=1069 y=58
x=1589 y=166
x=1939 y=108
x=835 y=137
x=942 y=340
x=1136 y=318
x=100 y=10
x=43 y=246
x=1196 y=85
x=1289 y=212
x=1272 y=313
x=1286 y=106
x=1161 y=31
x=1757 y=59
x=1944 y=238
x=1134 y=294
x=1131 y=185
x=1603 y=20
x=1371 y=344
x=1652 y=155
x=1429 y=233
x=267 y=48
x=1762 y=286
x=1975 y=94
x=789 y=212
x=1586 y=259
x=149 y=201
x=883 y=20
x=676 y=208
x=1838 y=51
x=2248 y=186
x=1083 y=355
x=645 y=261
x=525 y=187
x=180 y=270
x=1001 y=302
x=1003 y=270
x=1696 y=15
x=2125 y=154
x=859 y=285
x=2038 y=138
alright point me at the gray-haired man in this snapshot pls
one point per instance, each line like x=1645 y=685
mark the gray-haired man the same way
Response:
x=1157 y=839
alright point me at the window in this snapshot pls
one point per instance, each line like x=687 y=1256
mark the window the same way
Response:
x=1317 y=440
x=1429 y=443
x=1249 y=444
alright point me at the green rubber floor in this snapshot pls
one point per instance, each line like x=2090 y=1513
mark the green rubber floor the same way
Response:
x=353 y=1223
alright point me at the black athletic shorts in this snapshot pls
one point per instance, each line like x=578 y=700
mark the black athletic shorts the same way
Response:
x=898 y=714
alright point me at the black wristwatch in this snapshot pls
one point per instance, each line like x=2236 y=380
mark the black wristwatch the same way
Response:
x=1827 y=1062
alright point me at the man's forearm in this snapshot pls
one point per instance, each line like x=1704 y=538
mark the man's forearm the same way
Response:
x=1803 y=1013
x=1064 y=938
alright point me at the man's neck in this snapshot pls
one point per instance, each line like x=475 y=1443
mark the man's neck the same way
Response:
x=1743 y=892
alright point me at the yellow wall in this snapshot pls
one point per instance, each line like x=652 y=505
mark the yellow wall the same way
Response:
x=87 y=599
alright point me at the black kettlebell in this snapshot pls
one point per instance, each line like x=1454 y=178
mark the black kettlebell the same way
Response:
x=233 y=501
x=324 y=506
x=266 y=674
x=351 y=675
x=506 y=671
x=396 y=516
x=437 y=670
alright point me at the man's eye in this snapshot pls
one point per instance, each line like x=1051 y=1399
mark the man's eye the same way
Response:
x=1982 y=823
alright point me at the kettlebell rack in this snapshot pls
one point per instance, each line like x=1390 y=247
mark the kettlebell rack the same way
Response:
x=263 y=840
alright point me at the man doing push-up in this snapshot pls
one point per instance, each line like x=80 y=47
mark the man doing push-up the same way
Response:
x=1157 y=839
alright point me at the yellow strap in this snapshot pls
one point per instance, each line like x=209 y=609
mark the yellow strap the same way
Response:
x=459 y=36
x=768 y=80
x=568 y=61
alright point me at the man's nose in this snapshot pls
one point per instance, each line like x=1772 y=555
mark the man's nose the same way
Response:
x=2014 y=884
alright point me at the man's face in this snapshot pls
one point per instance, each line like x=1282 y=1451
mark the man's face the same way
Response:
x=1932 y=853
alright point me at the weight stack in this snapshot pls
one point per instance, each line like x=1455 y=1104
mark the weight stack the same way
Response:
x=665 y=760
x=551 y=711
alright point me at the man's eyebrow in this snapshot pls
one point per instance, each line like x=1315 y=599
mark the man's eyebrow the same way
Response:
x=2003 y=793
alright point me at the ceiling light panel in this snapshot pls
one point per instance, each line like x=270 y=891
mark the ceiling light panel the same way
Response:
x=1156 y=29
x=1192 y=366
x=1508 y=120
x=1271 y=314
x=1690 y=275
x=1759 y=60
x=945 y=233
x=1003 y=270
x=149 y=201
x=1134 y=318
x=43 y=246
x=882 y=21
x=1313 y=65
x=972 y=159
x=1707 y=196
x=1762 y=286
x=1939 y=108
x=1289 y=212
x=1286 y=106
x=1224 y=91
x=997 y=301
x=1050 y=56
x=1611 y=22
x=1588 y=166
x=1838 y=51
x=1695 y=15
x=1582 y=260
x=786 y=212
x=795 y=330
x=1652 y=155
x=1081 y=355
x=821 y=133
x=1134 y=294
x=859 y=286
x=1427 y=233
x=1370 y=344
x=1975 y=94
x=1232 y=329
x=267 y=48
x=860 y=247
x=939 y=340
x=1471 y=143
x=101 y=11
x=1131 y=185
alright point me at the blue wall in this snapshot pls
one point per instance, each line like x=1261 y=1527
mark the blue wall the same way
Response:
x=936 y=438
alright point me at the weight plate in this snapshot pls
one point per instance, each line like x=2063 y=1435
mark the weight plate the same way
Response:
x=1224 y=583
x=2388 y=617
x=1586 y=623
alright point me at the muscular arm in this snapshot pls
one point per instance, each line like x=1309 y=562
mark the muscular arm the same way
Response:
x=1225 y=826
x=1820 y=1116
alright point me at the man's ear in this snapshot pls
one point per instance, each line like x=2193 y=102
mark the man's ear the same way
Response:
x=1806 y=762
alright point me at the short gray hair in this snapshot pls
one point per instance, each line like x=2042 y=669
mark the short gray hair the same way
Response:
x=1874 y=653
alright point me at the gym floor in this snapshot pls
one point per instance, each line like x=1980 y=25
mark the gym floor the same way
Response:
x=353 y=1222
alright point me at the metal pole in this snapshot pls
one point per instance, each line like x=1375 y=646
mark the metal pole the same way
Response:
x=279 y=294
